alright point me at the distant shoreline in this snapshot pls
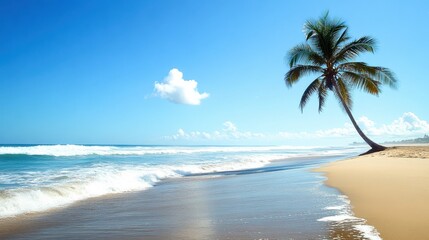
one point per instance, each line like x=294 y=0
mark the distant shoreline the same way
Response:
x=422 y=140
x=390 y=189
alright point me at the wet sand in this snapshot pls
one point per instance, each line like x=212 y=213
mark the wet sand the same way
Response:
x=277 y=202
x=390 y=189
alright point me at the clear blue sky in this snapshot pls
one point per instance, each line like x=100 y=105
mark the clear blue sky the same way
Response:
x=85 y=71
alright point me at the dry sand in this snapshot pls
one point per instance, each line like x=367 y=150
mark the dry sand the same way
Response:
x=390 y=189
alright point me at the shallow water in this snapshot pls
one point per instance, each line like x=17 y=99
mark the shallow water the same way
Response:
x=199 y=193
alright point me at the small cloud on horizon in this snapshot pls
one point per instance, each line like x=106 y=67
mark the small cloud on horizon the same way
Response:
x=407 y=125
x=228 y=132
x=178 y=90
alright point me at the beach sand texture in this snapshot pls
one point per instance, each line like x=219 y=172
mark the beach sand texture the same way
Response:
x=390 y=189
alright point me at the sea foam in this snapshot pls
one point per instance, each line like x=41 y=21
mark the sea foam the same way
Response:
x=82 y=150
x=94 y=182
x=52 y=189
x=77 y=172
x=368 y=232
x=344 y=214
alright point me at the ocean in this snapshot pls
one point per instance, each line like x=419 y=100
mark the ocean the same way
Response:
x=274 y=191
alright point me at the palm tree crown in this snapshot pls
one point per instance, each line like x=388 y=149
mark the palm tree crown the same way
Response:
x=329 y=53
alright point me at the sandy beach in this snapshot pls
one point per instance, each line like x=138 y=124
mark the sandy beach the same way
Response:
x=390 y=189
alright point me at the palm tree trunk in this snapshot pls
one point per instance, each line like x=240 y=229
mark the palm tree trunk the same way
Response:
x=374 y=146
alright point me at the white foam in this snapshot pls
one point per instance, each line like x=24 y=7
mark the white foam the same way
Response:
x=337 y=218
x=35 y=191
x=341 y=207
x=82 y=150
x=95 y=182
x=368 y=232
x=345 y=214
x=51 y=189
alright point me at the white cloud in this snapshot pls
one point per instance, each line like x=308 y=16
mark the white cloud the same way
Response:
x=229 y=132
x=178 y=90
x=347 y=130
x=407 y=125
x=366 y=122
x=229 y=126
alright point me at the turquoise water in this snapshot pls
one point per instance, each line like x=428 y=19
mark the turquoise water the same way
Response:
x=39 y=178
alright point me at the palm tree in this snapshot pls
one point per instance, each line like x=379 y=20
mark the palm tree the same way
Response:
x=329 y=53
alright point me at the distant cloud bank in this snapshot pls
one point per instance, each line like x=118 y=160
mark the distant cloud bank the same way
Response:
x=178 y=90
x=407 y=125
x=229 y=131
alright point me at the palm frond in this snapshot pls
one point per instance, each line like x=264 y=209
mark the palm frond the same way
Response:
x=386 y=76
x=298 y=71
x=380 y=74
x=310 y=29
x=362 y=81
x=324 y=33
x=359 y=67
x=356 y=47
x=308 y=92
x=342 y=39
x=323 y=93
x=313 y=27
x=304 y=54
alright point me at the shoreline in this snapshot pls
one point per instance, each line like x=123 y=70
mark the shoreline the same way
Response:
x=271 y=165
x=272 y=203
x=390 y=189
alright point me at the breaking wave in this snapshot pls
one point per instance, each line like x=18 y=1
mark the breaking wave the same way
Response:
x=33 y=184
x=51 y=189
x=83 y=150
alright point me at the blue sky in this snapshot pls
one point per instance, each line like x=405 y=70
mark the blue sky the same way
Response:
x=87 y=71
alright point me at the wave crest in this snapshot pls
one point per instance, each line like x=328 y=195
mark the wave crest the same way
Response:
x=69 y=186
x=82 y=150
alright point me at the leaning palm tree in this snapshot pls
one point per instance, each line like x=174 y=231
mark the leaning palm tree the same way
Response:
x=329 y=53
